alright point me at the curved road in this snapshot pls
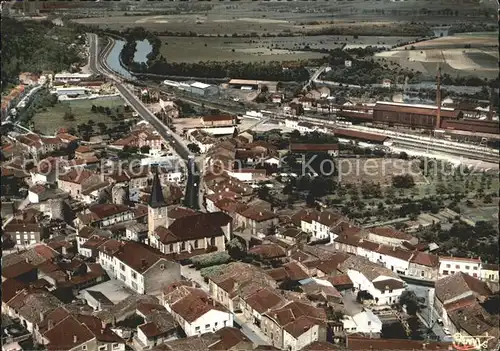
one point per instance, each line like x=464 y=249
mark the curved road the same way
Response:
x=98 y=64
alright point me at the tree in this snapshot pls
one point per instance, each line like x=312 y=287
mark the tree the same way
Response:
x=404 y=181
x=409 y=299
x=145 y=149
x=310 y=200
x=102 y=127
x=263 y=192
x=237 y=248
x=94 y=108
x=194 y=148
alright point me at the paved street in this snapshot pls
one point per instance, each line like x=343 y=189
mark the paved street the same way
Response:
x=192 y=187
x=425 y=314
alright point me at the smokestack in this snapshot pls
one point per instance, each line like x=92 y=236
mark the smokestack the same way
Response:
x=490 y=112
x=438 y=99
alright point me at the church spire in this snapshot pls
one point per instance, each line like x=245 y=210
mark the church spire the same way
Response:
x=156 y=199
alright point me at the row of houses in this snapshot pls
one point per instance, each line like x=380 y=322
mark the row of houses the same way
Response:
x=399 y=251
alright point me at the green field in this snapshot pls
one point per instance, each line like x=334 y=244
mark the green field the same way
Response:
x=50 y=120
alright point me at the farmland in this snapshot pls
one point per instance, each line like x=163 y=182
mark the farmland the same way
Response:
x=274 y=17
x=460 y=54
x=194 y=49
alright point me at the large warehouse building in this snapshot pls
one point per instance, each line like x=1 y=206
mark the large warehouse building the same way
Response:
x=203 y=89
x=414 y=116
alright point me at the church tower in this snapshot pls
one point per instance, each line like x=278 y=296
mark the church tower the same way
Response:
x=157 y=207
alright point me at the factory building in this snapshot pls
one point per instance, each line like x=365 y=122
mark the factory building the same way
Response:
x=410 y=115
x=203 y=89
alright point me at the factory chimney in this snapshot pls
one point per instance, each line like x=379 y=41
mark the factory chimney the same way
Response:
x=490 y=112
x=438 y=99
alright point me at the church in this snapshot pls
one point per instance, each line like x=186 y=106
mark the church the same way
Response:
x=192 y=234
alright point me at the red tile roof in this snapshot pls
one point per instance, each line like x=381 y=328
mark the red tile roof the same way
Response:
x=391 y=233
x=10 y=288
x=425 y=259
x=17 y=269
x=102 y=211
x=347 y=133
x=137 y=256
x=265 y=299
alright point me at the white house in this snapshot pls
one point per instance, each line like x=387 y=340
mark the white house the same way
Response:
x=140 y=267
x=362 y=322
x=321 y=226
x=383 y=284
x=194 y=310
x=450 y=265
x=296 y=338
x=37 y=193
x=489 y=272
x=394 y=258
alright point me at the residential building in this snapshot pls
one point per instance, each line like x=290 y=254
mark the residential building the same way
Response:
x=394 y=258
x=24 y=233
x=461 y=301
x=97 y=300
x=489 y=272
x=194 y=310
x=390 y=236
x=294 y=326
x=238 y=280
x=449 y=265
x=105 y=215
x=257 y=221
x=201 y=138
x=63 y=331
x=424 y=266
x=75 y=182
x=322 y=225
x=259 y=302
x=140 y=267
x=22 y=303
x=159 y=326
x=381 y=283
x=365 y=322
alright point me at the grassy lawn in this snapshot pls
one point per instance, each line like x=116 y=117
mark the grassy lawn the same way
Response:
x=50 y=120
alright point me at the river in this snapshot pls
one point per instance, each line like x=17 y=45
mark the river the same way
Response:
x=113 y=59
x=143 y=48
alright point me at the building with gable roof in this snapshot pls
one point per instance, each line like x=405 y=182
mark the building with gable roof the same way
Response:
x=193 y=232
x=195 y=311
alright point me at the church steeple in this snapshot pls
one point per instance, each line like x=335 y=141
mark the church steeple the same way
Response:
x=156 y=199
x=157 y=207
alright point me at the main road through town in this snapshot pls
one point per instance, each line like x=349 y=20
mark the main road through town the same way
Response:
x=97 y=63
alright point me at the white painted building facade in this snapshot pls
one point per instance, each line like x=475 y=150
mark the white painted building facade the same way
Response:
x=361 y=282
x=452 y=265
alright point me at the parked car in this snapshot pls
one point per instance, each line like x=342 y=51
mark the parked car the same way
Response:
x=440 y=321
x=446 y=331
